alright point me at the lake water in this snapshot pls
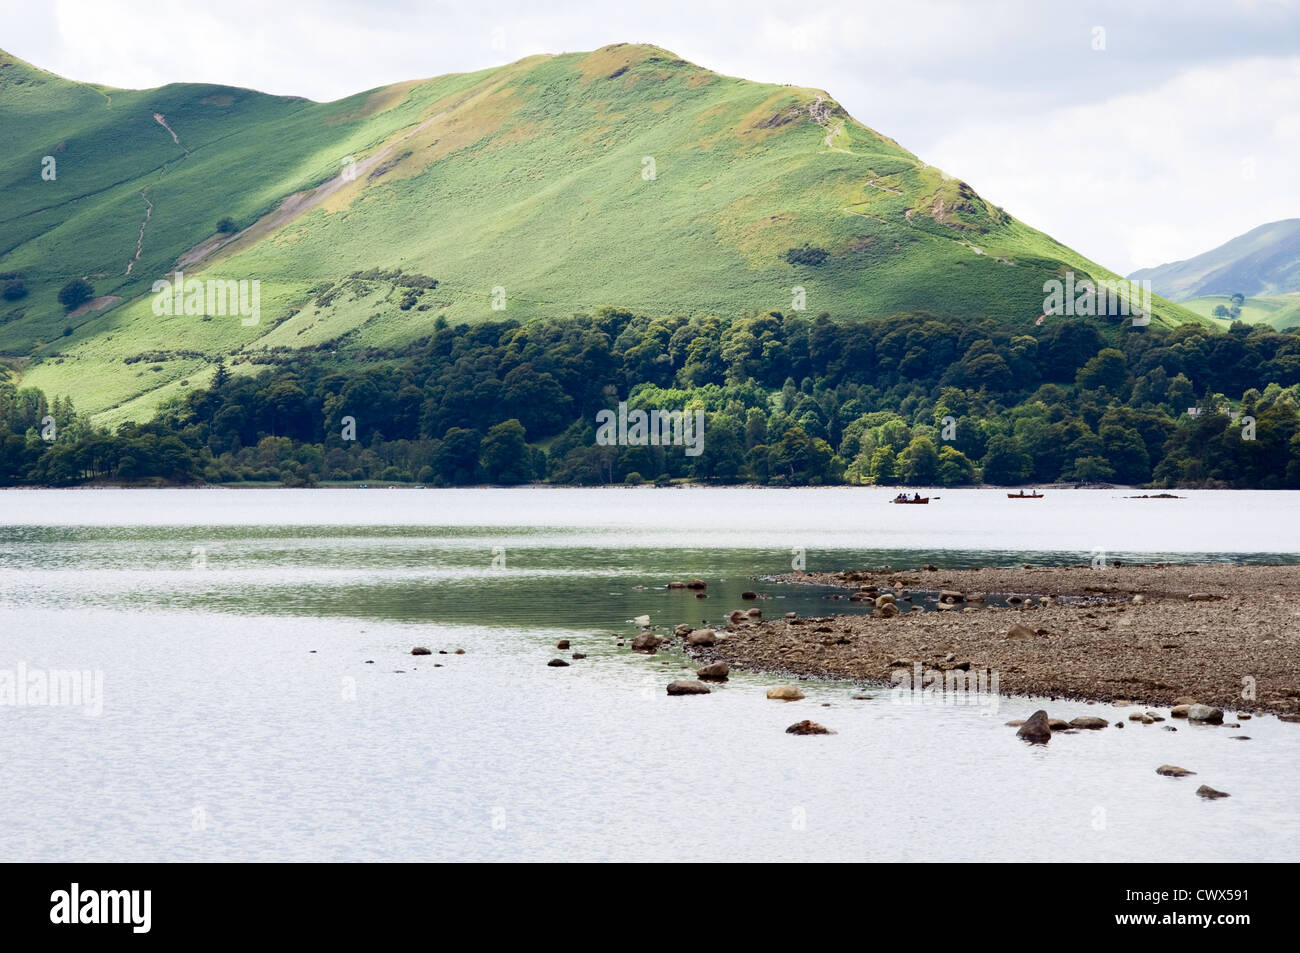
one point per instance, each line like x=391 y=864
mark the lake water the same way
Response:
x=259 y=701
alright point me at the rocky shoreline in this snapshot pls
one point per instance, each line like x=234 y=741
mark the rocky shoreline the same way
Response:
x=1218 y=634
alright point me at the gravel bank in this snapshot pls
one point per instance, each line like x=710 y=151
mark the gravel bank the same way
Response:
x=1213 y=633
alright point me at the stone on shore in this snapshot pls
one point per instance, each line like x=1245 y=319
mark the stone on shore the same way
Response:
x=1019 y=631
x=702 y=637
x=888 y=610
x=1206 y=714
x=1037 y=729
x=785 y=693
x=688 y=686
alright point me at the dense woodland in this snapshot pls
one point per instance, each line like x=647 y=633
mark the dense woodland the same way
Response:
x=789 y=399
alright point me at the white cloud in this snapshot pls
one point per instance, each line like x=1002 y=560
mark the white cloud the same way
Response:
x=1148 y=177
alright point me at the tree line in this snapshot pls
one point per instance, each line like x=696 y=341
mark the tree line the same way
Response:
x=789 y=399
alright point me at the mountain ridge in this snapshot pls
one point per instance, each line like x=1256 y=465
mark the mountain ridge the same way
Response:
x=1262 y=262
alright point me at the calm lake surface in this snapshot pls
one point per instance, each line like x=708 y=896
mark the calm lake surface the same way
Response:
x=259 y=701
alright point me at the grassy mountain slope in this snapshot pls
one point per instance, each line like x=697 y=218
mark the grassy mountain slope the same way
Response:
x=532 y=177
x=1264 y=261
x=1278 y=311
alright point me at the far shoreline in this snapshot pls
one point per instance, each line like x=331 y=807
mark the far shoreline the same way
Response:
x=935 y=493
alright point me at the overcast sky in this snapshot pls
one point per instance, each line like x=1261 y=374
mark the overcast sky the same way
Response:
x=1136 y=132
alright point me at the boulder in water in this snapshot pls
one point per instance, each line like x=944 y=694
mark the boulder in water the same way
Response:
x=688 y=687
x=1037 y=728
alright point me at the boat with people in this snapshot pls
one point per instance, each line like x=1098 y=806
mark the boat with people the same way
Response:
x=914 y=498
x=1022 y=495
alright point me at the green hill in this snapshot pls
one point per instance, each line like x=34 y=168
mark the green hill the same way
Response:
x=557 y=184
x=1265 y=261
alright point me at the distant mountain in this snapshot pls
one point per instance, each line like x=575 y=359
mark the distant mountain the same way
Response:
x=623 y=177
x=1264 y=261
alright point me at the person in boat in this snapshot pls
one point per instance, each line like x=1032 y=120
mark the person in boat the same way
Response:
x=916 y=496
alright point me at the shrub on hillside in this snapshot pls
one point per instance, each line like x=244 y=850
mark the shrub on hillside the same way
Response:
x=807 y=255
x=76 y=293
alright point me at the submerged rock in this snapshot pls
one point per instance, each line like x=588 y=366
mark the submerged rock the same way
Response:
x=1037 y=728
x=718 y=671
x=558 y=663
x=1173 y=771
x=420 y=650
x=807 y=727
x=562 y=644
x=785 y=693
x=1210 y=794
x=1089 y=722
